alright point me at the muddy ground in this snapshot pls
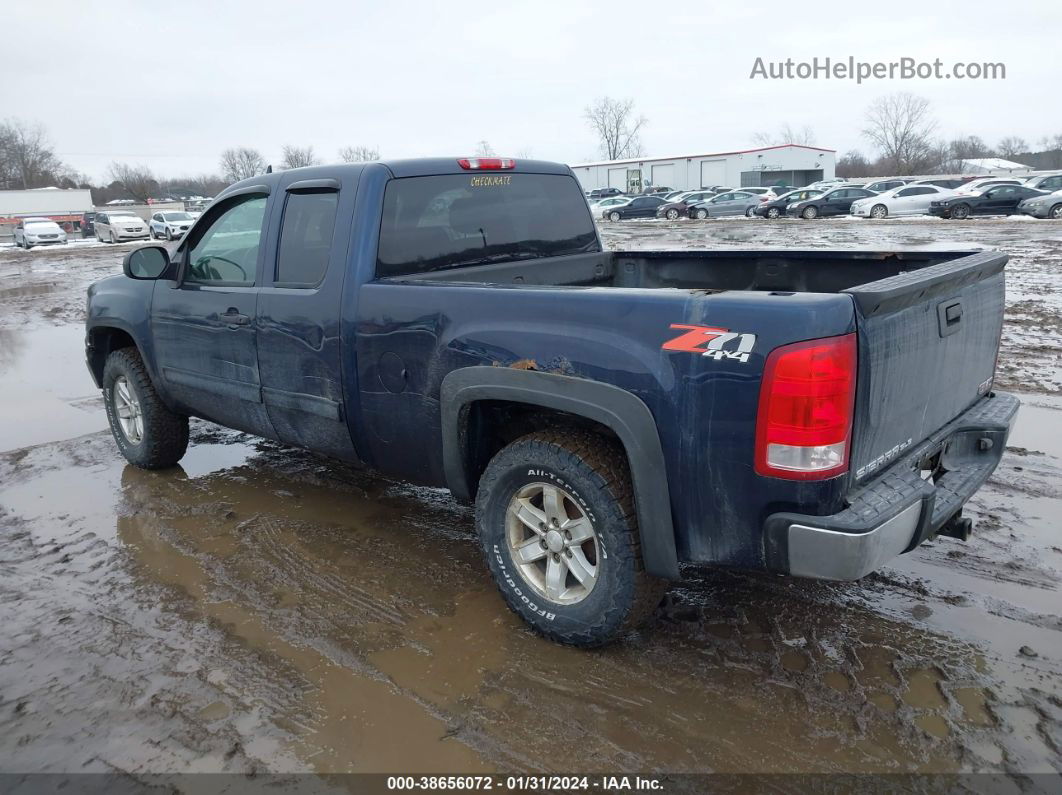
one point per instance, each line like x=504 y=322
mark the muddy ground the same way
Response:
x=262 y=609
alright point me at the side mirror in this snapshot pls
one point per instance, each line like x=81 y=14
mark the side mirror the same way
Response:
x=147 y=263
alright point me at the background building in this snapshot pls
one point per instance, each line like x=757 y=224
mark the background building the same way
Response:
x=789 y=164
x=62 y=206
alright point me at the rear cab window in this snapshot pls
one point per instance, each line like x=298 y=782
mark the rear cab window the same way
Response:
x=449 y=221
x=306 y=238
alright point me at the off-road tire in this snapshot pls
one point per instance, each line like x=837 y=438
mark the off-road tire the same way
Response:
x=165 y=437
x=593 y=468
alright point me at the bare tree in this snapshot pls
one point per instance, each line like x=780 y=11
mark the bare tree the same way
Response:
x=853 y=164
x=1012 y=146
x=26 y=156
x=616 y=127
x=358 y=154
x=484 y=149
x=137 y=181
x=242 y=162
x=298 y=157
x=527 y=153
x=901 y=126
x=786 y=134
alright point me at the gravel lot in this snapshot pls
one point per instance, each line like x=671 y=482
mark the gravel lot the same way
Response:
x=261 y=609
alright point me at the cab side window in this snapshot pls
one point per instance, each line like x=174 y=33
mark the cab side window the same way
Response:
x=226 y=251
x=306 y=238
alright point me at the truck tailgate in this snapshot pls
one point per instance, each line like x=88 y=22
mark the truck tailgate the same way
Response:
x=928 y=341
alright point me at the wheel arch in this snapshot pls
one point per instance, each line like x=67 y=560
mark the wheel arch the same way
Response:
x=101 y=341
x=620 y=412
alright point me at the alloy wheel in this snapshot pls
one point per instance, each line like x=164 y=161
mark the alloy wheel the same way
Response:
x=127 y=408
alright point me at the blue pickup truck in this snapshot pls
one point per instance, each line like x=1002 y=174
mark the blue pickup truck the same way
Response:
x=612 y=415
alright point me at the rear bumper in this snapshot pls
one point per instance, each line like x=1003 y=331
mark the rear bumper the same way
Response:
x=898 y=510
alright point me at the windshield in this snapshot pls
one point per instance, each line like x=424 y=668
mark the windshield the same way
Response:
x=177 y=216
x=41 y=225
x=124 y=217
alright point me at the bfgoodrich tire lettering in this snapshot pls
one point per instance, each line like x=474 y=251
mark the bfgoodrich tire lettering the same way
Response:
x=164 y=436
x=593 y=471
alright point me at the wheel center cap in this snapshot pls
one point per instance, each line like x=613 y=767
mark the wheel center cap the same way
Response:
x=555 y=541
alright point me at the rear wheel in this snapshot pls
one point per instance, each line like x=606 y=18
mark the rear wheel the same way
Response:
x=879 y=211
x=556 y=520
x=148 y=434
x=810 y=212
x=960 y=211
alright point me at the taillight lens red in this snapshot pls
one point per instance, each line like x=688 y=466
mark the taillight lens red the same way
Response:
x=486 y=163
x=804 y=423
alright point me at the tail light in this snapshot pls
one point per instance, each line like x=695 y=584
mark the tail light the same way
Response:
x=804 y=423
x=486 y=163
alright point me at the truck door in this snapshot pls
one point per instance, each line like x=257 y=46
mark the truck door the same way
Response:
x=299 y=315
x=204 y=327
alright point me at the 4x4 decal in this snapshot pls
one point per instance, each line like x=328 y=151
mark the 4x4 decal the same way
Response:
x=710 y=341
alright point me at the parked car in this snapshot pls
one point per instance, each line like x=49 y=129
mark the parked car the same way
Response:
x=604 y=193
x=826 y=184
x=638 y=207
x=88 y=227
x=30 y=232
x=672 y=194
x=884 y=185
x=114 y=226
x=170 y=224
x=984 y=183
x=776 y=207
x=997 y=200
x=598 y=209
x=657 y=190
x=738 y=202
x=1048 y=182
x=944 y=182
x=906 y=200
x=1049 y=206
x=842 y=422
x=679 y=206
x=761 y=191
x=837 y=201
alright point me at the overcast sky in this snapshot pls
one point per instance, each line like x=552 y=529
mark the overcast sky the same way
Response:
x=170 y=85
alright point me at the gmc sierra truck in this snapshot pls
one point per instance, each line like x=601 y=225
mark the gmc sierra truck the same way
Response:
x=610 y=414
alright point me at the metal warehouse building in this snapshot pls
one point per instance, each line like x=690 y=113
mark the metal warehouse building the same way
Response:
x=789 y=164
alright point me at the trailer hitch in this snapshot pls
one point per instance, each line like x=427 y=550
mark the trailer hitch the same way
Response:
x=958 y=526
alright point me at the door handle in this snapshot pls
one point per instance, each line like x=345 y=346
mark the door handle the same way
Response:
x=233 y=317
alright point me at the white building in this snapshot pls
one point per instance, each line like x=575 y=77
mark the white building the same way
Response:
x=788 y=164
x=994 y=165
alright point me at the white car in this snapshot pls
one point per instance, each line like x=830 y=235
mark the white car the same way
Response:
x=984 y=183
x=114 y=226
x=32 y=232
x=908 y=200
x=170 y=224
x=598 y=209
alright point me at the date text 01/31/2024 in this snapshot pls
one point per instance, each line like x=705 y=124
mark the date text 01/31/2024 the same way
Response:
x=525 y=783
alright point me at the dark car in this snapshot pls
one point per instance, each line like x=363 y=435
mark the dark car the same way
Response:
x=775 y=208
x=604 y=193
x=88 y=224
x=1000 y=200
x=950 y=184
x=882 y=185
x=762 y=409
x=638 y=207
x=837 y=201
x=679 y=206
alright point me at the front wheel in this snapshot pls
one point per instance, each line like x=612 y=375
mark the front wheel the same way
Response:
x=169 y=234
x=113 y=238
x=810 y=212
x=148 y=434
x=750 y=212
x=879 y=211
x=960 y=212
x=613 y=216
x=1055 y=212
x=700 y=215
x=672 y=214
x=773 y=212
x=556 y=521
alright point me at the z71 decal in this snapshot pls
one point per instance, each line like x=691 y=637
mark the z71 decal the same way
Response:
x=710 y=341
